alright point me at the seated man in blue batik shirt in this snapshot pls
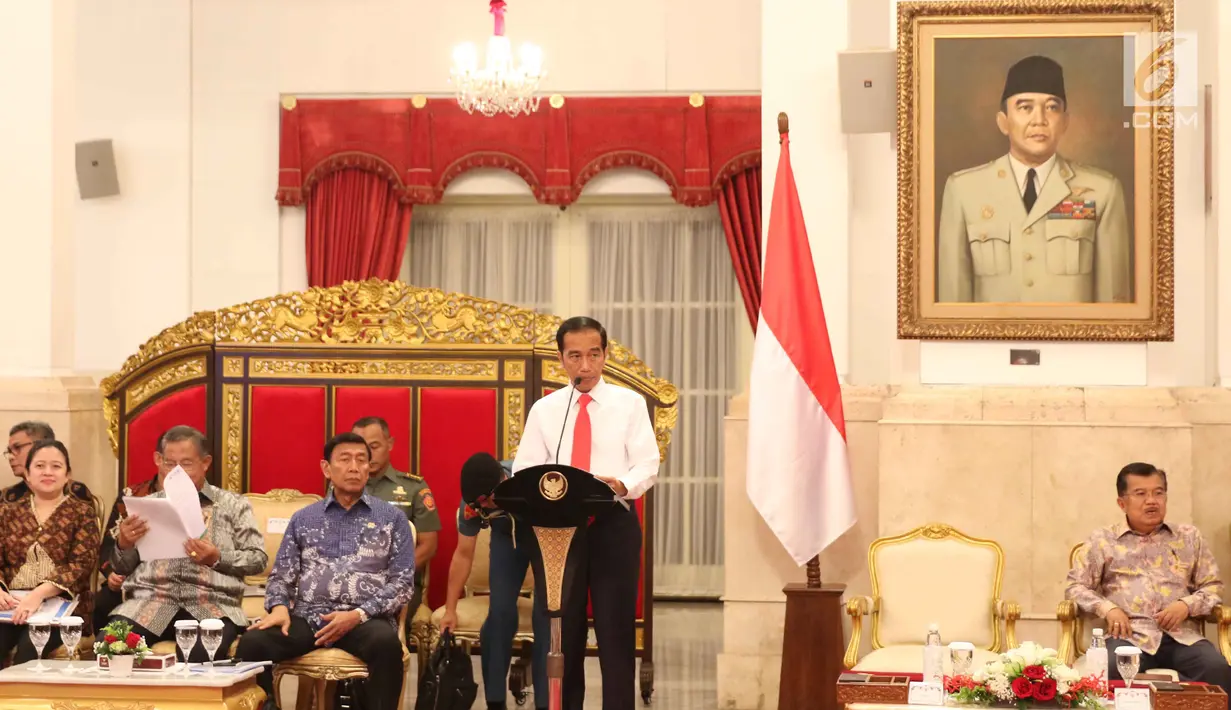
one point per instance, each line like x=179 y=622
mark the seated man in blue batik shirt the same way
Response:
x=345 y=569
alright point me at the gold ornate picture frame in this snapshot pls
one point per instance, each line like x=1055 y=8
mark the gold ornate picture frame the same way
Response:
x=1089 y=254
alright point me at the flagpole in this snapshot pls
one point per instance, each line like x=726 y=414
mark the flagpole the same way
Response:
x=812 y=643
x=814 y=564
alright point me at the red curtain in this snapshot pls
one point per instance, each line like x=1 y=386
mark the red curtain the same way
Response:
x=739 y=201
x=357 y=228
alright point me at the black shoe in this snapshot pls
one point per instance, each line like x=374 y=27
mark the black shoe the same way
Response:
x=499 y=705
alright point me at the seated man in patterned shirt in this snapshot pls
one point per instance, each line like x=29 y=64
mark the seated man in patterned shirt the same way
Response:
x=208 y=582
x=1149 y=580
x=345 y=569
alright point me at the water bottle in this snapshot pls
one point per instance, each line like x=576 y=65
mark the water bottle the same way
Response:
x=933 y=657
x=1096 y=656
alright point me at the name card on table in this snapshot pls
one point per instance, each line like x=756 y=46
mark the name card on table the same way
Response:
x=1132 y=699
x=934 y=694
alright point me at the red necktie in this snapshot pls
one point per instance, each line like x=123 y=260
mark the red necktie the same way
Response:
x=581 y=434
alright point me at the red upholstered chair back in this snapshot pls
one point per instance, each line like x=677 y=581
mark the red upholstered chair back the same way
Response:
x=270 y=381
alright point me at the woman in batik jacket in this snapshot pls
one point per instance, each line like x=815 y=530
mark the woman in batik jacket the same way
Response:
x=48 y=548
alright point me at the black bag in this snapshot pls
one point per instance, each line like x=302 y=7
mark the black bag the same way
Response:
x=448 y=681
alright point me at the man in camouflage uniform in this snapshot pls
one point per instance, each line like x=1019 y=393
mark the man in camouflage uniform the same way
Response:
x=404 y=490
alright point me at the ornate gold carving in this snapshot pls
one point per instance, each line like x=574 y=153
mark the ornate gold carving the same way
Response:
x=162 y=379
x=266 y=367
x=696 y=100
x=556 y=100
x=102 y=705
x=111 y=412
x=250 y=698
x=233 y=366
x=233 y=438
x=1160 y=324
x=197 y=330
x=554 y=544
x=640 y=639
x=553 y=485
x=514 y=420
x=665 y=419
x=515 y=370
x=418 y=101
x=289 y=103
x=554 y=373
x=376 y=312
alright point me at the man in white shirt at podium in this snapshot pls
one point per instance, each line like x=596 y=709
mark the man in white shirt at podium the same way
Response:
x=604 y=429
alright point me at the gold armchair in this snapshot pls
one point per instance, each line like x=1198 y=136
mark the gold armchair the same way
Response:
x=320 y=670
x=932 y=574
x=277 y=505
x=1076 y=626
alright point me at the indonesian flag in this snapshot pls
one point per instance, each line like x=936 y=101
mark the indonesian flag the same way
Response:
x=798 y=473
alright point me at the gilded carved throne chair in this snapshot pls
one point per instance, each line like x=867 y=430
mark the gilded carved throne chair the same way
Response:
x=1076 y=627
x=269 y=381
x=932 y=574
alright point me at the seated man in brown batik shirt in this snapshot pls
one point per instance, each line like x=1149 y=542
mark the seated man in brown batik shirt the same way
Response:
x=1150 y=580
x=208 y=583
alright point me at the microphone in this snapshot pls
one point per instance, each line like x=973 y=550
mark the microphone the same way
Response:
x=567 y=408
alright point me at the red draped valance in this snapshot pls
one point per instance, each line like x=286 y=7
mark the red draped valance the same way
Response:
x=423 y=145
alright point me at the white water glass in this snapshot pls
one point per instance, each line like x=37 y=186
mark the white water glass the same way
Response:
x=1128 y=661
x=70 y=634
x=40 y=634
x=211 y=638
x=962 y=655
x=186 y=631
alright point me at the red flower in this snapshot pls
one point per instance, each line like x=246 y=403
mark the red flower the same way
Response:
x=109 y=638
x=1022 y=687
x=1035 y=672
x=1045 y=690
x=132 y=640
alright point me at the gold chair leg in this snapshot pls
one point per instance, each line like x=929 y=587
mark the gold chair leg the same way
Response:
x=305 y=695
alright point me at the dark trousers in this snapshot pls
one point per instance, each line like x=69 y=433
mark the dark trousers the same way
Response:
x=105 y=601
x=613 y=546
x=1200 y=661
x=507 y=571
x=18 y=635
x=198 y=655
x=375 y=642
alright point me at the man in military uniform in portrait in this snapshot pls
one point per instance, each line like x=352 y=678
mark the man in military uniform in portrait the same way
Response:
x=404 y=490
x=1032 y=226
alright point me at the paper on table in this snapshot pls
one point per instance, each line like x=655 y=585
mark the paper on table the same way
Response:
x=52 y=609
x=166 y=535
x=182 y=493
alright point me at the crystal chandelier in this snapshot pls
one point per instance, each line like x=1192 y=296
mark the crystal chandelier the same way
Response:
x=499 y=87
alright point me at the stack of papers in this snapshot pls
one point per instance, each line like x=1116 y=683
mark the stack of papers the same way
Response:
x=172 y=520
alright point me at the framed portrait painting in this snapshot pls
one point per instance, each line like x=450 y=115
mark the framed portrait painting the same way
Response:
x=1035 y=169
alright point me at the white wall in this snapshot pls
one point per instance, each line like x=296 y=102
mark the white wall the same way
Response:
x=189 y=89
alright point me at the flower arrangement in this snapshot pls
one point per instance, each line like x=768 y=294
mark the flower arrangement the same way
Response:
x=118 y=639
x=1025 y=676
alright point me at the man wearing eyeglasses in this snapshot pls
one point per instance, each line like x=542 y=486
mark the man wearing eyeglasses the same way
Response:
x=1150 y=581
x=21 y=437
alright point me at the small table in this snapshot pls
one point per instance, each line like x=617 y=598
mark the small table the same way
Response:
x=23 y=689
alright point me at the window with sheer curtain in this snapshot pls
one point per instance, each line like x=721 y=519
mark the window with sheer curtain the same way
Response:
x=660 y=280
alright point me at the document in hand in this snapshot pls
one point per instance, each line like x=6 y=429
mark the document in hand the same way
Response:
x=50 y=610
x=172 y=520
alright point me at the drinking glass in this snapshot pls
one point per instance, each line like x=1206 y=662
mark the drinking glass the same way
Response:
x=186 y=638
x=211 y=639
x=40 y=634
x=962 y=655
x=70 y=634
x=1128 y=660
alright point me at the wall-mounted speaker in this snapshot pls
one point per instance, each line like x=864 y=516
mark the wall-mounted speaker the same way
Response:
x=96 y=176
x=868 y=90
